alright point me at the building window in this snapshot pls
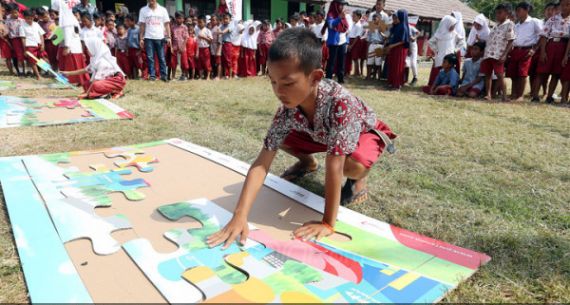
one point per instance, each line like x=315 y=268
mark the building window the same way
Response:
x=261 y=9
x=205 y=7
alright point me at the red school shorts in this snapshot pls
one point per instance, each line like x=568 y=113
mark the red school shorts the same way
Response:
x=183 y=60
x=565 y=74
x=204 y=60
x=370 y=145
x=490 y=65
x=554 y=56
x=5 y=49
x=36 y=52
x=17 y=48
x=519 y=63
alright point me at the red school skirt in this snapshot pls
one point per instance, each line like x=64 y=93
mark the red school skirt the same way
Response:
x=247 y=63
x=397 y=60
x=110 y=85
x=123 y=62
x=262 y=54
x=73 y=62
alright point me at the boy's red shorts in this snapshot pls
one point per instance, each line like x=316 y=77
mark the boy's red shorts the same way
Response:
x=36 y=52
x=370 y=145
x=204 y=60
x=216 y=60
x=17 y=48
x=519 y=63
x=5 y=49
x=490 y=65
x=554 y=56
x=192 y=62
x=565 y=75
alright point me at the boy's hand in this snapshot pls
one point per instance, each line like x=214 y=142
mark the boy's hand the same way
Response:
x=564 y=61
x=237 y=226
x=313 y=229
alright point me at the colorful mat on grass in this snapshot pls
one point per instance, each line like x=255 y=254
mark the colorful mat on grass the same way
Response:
x=51 y=201
x=11 y=85
x=22 y=111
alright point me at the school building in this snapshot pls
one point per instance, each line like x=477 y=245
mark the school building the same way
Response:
x=429 y=11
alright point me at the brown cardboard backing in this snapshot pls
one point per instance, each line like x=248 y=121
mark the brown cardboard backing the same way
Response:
x=179 y=176
x=59 y=114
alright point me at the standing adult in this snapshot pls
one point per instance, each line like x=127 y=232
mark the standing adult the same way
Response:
x=336 y=26
x=154 y=22
x=85 y=6
x=398 y=48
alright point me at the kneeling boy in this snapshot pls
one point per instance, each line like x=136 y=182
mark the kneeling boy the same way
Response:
x=316 y=115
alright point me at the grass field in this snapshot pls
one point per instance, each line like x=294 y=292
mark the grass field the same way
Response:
x=493 y=177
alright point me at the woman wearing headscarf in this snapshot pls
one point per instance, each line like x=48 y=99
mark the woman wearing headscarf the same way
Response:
x=445 y=41
x=71 y=56
x=336 y=27
x=398 y=49
x=460 y=29
x=107 y=77
x=247 y=61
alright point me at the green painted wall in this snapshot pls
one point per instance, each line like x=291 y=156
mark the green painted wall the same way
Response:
x=246 y=12
x=279 y=9
x=302 y=6
x=179 y=5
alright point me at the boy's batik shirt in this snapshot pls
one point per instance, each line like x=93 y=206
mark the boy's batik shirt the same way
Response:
x=498 y=39
x=556 y=27
x=340 y=119
x=179 y=37
x=14 y=26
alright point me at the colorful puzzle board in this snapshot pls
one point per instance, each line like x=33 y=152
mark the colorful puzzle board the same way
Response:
x=23 y=111
x=11 y=85
x=127 y=224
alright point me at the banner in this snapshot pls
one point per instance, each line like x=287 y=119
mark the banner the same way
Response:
x=413 y=20
x=235 y=7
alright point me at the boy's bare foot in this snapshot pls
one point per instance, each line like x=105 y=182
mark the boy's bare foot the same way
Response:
x=354 y=192
x=488 y=98
x=300 y=170
x=519 y=100
x=505 y=99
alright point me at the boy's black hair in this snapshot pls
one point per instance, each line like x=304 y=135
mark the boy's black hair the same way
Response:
x=504 y=7
x=41 y=11
x=87 y=15
x=451 y=59
x=303 y=13
x=278 y=20
x=10 y=7
x=298 y=43
x=228 y=15
x=28 y=13
x=358 y=13
x=179 y=14
x=549 y=5
x=96 y=16
x=320 y=13
x=295 y=16
x=266 y=22
x=120 y=25
x=481 y=45
x=109 y=13
x=202 y=17
x=525 y=6
x=130 y=17
x=109 y=21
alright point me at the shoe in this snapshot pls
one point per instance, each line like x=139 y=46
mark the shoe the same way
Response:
x=549 y=100
x=535 y=100
x=164 y=79
x=152 y=79
x=556 y=97
x=414 y=81
x=182 y=78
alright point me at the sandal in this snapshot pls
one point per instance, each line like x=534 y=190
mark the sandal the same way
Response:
x=117 y=95
x=348 y=197
x=297 y=172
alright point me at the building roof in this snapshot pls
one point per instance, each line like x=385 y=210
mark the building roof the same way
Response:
x=435 y=9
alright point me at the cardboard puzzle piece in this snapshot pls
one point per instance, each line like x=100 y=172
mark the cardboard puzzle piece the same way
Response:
x=165 y=270
x=75 y=219
x=67 y=103
x=133 y=157
x=98 y=184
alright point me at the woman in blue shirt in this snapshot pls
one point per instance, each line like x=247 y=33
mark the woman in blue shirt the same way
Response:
x=337 y=26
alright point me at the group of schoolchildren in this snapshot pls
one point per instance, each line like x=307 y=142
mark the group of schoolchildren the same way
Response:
x=530 y=48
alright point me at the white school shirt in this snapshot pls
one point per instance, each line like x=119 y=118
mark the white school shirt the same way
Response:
x=154 y=21
x=236 y=38
x=93 y=32
x=33 y=34
x=203 y=32
x=444 y=47
x=101 y=71
x=528 y=32
x=356 y=30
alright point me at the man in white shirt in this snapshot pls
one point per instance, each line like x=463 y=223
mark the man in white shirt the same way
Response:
x=527 y=31
x=154 y=22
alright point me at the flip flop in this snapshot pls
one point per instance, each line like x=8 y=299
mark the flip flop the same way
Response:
x=292 y=174
x=348 y=197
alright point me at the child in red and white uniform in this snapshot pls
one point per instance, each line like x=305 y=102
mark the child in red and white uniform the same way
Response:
x=33 y=40
x=527 y=31
x=179 y=39
x=216 y=47
x=498 y=47
x=47 y=25
x=355 y=45
x=122 y=51
x=247 y=63
x=110 y=35
x=107 y=77
x=191 y=51
x=317 y=30
x=264 y=41
x=5 y=46
x=203 y=56
x=14 y=23
x=236 y=42
x=89 y=30
x=227 y=30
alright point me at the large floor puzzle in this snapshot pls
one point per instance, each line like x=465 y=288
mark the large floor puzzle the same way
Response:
x=11 y=85
x=128 y=224
x=22 y=111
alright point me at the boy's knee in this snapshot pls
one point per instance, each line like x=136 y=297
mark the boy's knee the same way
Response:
x=353 y=168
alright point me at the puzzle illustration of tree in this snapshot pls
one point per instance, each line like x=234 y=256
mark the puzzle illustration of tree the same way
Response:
x=144 y=230
x=19 y=111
